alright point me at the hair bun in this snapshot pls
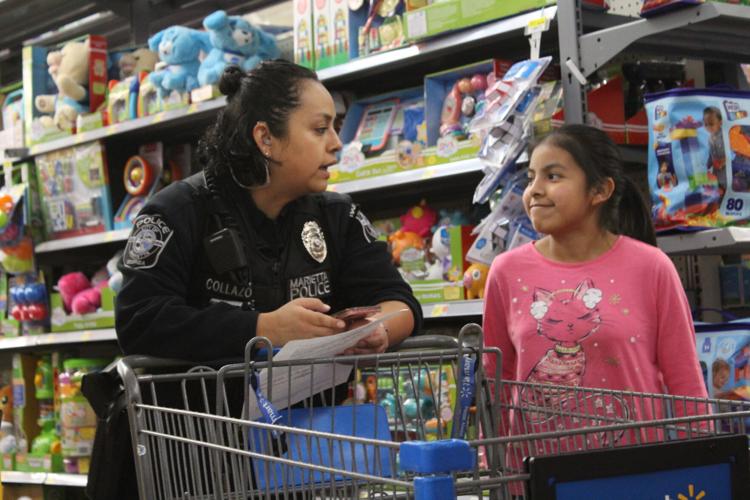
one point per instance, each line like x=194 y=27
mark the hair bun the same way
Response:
x=230 y=80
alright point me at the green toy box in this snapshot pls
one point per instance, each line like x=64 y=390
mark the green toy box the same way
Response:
x=450 y=15
x=104 y=317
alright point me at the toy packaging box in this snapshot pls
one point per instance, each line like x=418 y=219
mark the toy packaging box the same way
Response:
x=75 y=191
x=38 y=83
x=303 y=33
x=449 y=15
x=11 y=121
x=699 y=157
x=104 y=317
x=724 y=355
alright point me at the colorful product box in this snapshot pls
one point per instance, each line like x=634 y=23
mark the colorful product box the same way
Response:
x=449 y=15
x=104 y=317
x=74 y=190
x=303 y=33
x=37 y=82
x=450 y=287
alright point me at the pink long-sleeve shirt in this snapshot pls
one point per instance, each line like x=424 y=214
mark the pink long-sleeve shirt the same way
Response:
x=620 y=321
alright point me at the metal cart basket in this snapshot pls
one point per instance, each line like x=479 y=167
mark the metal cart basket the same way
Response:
x=423 y=422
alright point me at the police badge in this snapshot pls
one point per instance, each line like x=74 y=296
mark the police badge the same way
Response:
x=314 y=241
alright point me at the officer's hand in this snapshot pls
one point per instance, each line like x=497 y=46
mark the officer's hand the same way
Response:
x=375 y=343
x=299 y=319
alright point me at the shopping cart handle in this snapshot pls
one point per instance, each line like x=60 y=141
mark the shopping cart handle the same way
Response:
x=262 y=353
x=427 y=342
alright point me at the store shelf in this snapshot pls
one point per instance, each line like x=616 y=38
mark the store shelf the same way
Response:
x=433 y=48
x=57 y=339
x=150 y=123
x=711 y=241
x=82 y=241
x=49 y=478
x=715 y=30
x=408 y=176
x=453 y=309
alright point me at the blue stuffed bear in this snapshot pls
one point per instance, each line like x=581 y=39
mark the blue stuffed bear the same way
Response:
x=179 y=47
x=234 y=41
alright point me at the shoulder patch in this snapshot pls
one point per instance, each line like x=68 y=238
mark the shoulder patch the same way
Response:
x=368 y=230
x=146 y=242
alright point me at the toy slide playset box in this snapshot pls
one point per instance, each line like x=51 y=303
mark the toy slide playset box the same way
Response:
x=699 y=157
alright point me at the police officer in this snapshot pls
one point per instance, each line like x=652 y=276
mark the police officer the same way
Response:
x=254 y=245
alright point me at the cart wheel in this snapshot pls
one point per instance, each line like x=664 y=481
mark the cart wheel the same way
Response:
x=137 y=176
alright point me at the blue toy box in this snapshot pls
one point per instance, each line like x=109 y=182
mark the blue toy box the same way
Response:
x=699 y=157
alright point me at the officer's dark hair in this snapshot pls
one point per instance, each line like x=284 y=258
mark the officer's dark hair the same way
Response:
x=268 y=93
x=625 y=212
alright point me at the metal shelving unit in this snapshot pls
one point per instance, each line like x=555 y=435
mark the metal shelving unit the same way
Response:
x=709 y=242
x=48 y=478
x=712 y=30
x=455 y=309
x=53 y=340
x=82 y=241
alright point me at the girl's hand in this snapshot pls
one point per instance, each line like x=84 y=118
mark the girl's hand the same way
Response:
x=375 y=343
x=299 y=319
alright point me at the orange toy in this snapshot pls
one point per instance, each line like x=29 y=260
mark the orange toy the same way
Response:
x=474 y=279
x=401 y=240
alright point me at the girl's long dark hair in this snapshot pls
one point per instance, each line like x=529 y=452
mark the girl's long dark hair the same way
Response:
x=626 y=211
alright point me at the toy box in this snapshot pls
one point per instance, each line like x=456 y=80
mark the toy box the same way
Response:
x=419 y=402
x=735 y=285
x=449 y=15
x=104 y=317
x=37 y=82
x=75 y=191
x=11 y=121
x=699 y=157
x=449 y=286
x=724 y=355
x=25 y=404
x=303 y=33
x=371 y=132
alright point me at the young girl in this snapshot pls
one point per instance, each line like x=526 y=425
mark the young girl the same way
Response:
x=593 y=303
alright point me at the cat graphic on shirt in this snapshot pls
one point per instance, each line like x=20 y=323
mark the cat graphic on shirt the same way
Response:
x=565 y=317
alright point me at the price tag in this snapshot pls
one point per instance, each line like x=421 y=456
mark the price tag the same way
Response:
x=192 y=108
x=158 y=117
x=439 y=310
x=428 y=173
x=78 y=138
x=86 y=336
x=333 y=188
x=51 y=338
x=113 y=129
x=534 y=29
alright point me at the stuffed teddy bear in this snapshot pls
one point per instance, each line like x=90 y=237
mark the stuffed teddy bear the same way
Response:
x=132 y=63
x=69 y=68
x=234 y=41
x=179 y=50
x=419 y=219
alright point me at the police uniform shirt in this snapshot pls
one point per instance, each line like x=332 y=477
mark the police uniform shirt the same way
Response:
x=174 y=304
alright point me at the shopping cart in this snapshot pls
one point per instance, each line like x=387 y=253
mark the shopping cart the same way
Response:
x=425 y=422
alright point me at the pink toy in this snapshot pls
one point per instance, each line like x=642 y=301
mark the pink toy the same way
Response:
x=87 y=301
x=70 y=285
x=419 y=219
x=474 y=279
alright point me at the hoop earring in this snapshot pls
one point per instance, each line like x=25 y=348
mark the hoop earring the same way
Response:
x=265 y=183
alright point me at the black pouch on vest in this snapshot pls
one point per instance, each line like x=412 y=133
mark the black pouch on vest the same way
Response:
x=225 y=250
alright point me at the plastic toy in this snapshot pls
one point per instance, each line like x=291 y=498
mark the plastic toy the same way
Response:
x=30 y=302
x=8 y=442
x=234 y=41
x=460 y=104
x=474 y=279
x=419 y=219
x=375 y=127
x=179 y=49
